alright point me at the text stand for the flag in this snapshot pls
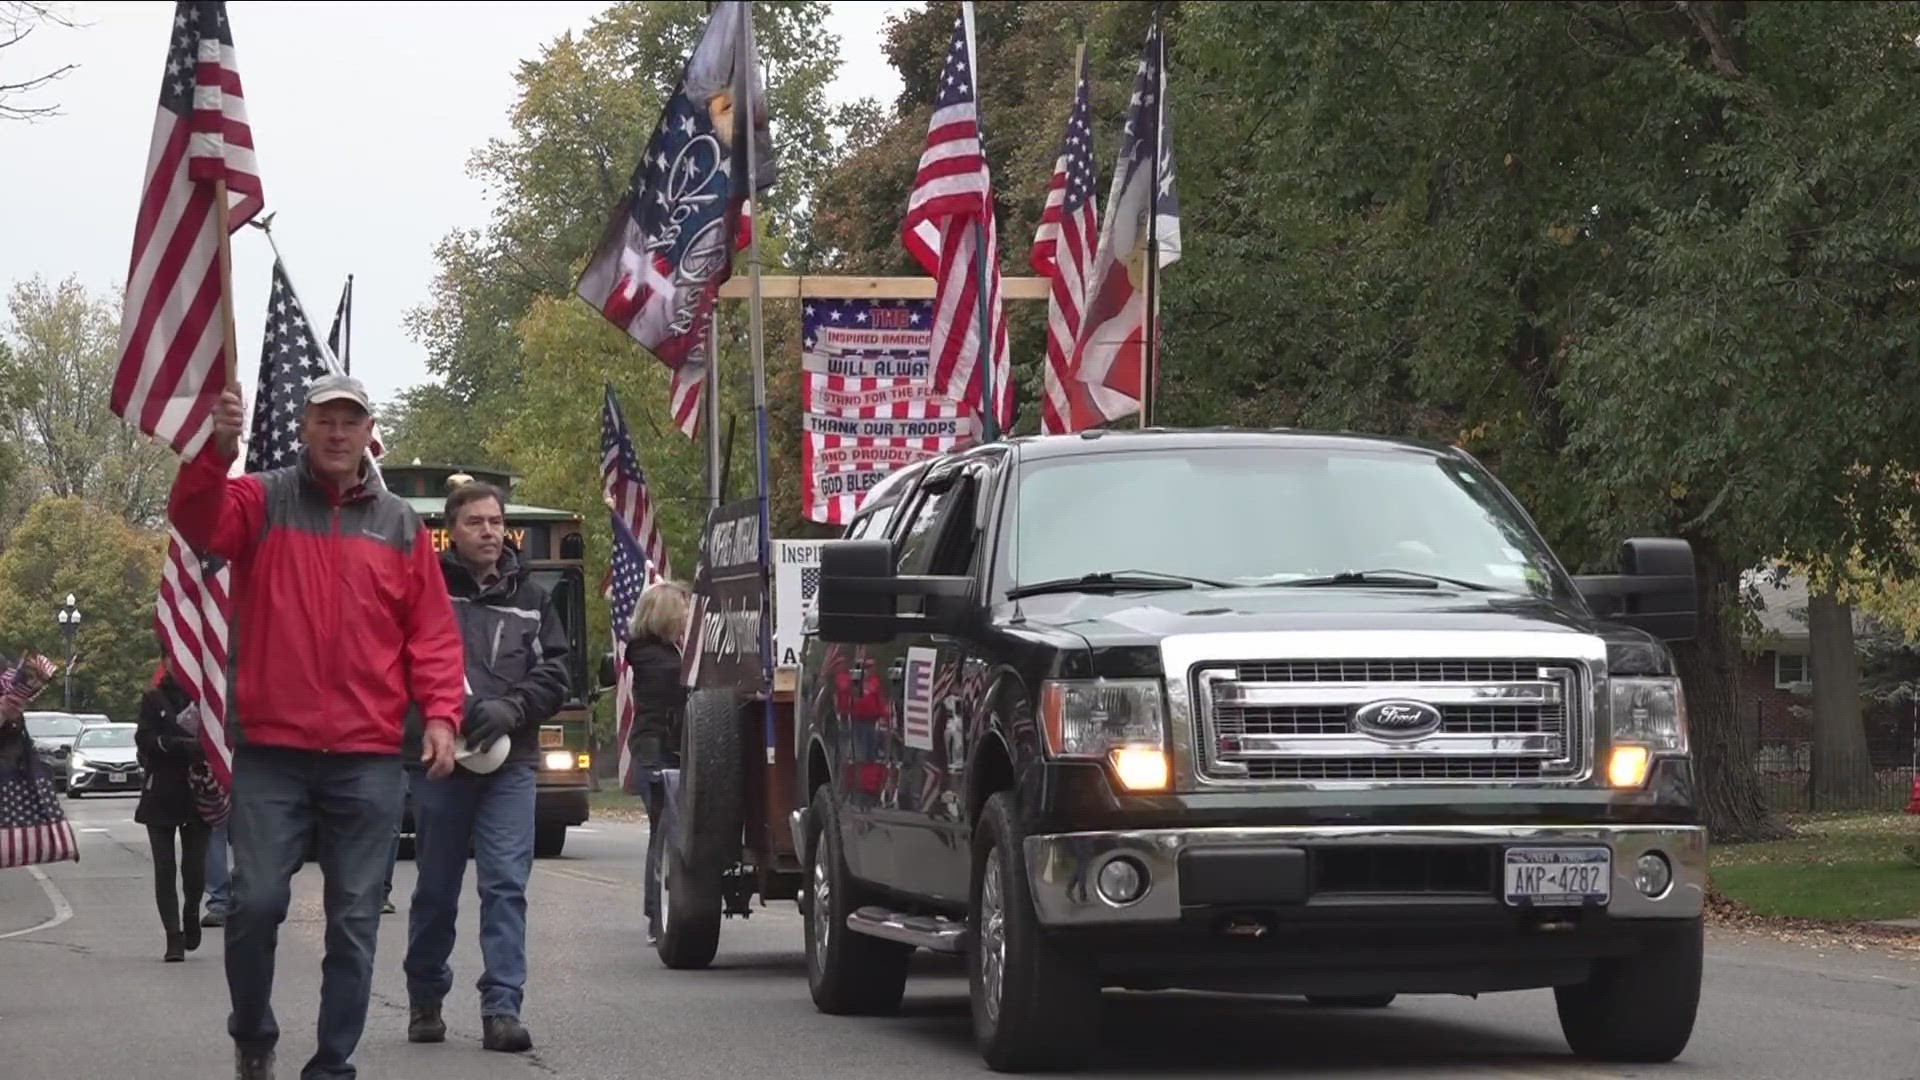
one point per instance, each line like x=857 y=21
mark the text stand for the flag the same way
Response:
x=223 y=217
x=989 y=416
x=1150 y=350
x=748 y=60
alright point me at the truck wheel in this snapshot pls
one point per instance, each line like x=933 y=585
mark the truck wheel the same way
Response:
x=708 y=833
x=1035 y=1005
x=689 y=915
x=850 y=974
x=1356 y=1001
x=549 y=841
x=1640 y=1007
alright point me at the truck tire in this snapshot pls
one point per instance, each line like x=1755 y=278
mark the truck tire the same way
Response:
x=689 y=915
x=1035 y=1005
x=848 y=973
x=704 y=840
x=1638 y=1008
x=549 y=841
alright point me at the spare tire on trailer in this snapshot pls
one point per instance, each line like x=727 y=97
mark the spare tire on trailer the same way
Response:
x=704 y=834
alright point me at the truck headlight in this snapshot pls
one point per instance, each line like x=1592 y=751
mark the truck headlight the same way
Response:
x=1649 y=718
x=1123 y=721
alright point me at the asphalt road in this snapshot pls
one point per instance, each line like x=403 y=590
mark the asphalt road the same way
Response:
x=84 y=995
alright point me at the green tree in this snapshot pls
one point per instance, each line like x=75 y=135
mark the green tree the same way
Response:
x=65 y=347
x=586 y=107
x=68 y=545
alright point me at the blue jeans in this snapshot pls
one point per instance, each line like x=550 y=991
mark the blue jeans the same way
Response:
x=219 y=872
x=279 y=796
x=494 y=813
x=393 y=853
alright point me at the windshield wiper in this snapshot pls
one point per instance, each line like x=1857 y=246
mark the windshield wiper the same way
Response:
x=1113 y=580
x=1399 y=579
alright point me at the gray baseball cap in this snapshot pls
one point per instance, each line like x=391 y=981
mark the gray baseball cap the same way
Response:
x=338 y=388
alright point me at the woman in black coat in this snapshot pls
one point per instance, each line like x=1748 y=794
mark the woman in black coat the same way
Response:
x=659 y=707
x=167 y=751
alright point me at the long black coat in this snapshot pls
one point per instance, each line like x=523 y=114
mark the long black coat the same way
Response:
x=659 y=701
x=166 y=751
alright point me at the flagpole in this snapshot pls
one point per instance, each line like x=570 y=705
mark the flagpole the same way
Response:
x=743 y=112
x=989 y=416
x=711 y=408
x=223 y=216
x=346 y=331
x=1150 y=376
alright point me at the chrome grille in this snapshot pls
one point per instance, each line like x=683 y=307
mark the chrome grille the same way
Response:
x=1512 y=720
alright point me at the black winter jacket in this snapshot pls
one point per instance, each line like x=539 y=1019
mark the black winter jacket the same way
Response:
x=516 y=648
x=166 y=752
x=659 y=702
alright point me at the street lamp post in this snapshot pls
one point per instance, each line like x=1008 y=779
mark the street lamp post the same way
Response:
x=69 y=619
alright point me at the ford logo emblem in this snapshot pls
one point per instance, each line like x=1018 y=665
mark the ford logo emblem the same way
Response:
x=1397 y=719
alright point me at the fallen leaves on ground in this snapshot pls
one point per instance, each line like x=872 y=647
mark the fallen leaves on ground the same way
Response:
x=1725 y=913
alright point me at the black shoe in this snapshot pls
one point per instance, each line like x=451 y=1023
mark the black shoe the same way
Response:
x=252 y=1064
x=505 y=1033
x=176 y=947
x=387 y=908
x=214 y=918
x=424 y=1024
x=190 y=932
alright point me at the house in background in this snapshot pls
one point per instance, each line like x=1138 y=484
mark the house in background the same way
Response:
x=1777 y=678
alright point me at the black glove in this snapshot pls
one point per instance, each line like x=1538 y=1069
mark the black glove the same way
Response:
x=489 y=719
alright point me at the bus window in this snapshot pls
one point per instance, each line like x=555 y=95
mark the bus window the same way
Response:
x=567 y=586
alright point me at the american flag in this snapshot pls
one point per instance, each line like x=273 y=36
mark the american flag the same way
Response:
x=1111 y=353
x=1063 y=250
x=629 y=576
x=340 y=338
x=952 y=202
x=665 y=252
x=632 y=567
x=32 y=828
x=173 y=363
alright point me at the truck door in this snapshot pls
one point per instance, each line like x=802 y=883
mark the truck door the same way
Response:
x=925 y=810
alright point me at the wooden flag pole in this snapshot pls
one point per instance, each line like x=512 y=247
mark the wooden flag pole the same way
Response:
x=1150 y=348
x=223 y=215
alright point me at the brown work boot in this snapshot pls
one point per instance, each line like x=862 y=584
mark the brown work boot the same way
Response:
x=424 y=1024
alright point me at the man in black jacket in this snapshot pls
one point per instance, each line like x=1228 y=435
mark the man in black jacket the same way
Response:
x=516 y=652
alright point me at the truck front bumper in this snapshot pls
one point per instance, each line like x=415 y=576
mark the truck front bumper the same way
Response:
x=1323 y=869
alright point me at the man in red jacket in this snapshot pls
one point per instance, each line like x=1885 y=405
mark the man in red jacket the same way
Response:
x=340 y=620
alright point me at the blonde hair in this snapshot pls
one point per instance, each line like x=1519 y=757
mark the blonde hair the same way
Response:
x=662 y=611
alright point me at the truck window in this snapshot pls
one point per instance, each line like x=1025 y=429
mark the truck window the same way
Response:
x=921 y=533
x=567 y=586
x=1268 y=515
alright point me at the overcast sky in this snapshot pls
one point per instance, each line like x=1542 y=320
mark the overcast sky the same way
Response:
x=363 y=116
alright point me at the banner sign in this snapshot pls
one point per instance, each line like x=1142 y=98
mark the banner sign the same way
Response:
x=867 y=400
x=796 y=585
x=729 y=604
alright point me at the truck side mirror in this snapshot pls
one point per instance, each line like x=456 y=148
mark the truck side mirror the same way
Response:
x=1655 y=590
x=607 y=678
x=859 y=598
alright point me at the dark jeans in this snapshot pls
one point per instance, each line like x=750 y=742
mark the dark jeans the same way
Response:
x=350 y=801
x=189 y=867
x=652 y=784
x=495 y=814
x=219 y=871
x=393 y=853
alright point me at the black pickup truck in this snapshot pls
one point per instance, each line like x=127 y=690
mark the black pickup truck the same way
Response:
x=1272 y=712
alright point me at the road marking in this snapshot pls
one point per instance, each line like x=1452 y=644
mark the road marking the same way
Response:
x=62 y=911
x=95 y=829
x=581 y=875
x=583 y=829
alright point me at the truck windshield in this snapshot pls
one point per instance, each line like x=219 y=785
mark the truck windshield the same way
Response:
x=566 y=585
x=1267 y=516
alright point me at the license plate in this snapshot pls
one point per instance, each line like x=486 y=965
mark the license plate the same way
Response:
x=1559 y=876
x=119 y=778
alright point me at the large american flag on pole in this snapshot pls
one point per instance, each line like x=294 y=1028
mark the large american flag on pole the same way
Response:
x=951 y=205
x=1111 y=352
x=632 y=566
x=172 y=361
x=1063 y=249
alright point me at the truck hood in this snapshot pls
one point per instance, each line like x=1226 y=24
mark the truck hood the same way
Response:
x=1144 y=618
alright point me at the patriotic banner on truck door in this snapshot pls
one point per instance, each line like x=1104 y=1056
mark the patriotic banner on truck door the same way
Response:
x=869 y=400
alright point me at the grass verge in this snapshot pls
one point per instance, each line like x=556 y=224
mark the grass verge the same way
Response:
x=1839 y=868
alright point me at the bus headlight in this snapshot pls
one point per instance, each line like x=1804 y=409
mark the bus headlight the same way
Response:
x=558 y=760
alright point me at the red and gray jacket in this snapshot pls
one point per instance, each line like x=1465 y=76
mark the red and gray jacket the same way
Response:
x=340 y=619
